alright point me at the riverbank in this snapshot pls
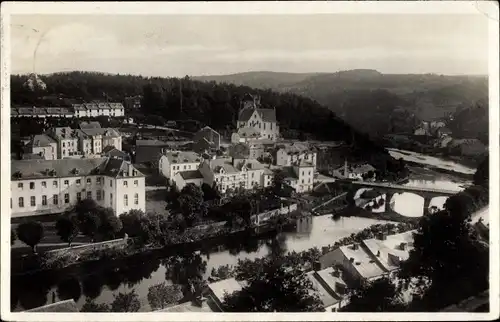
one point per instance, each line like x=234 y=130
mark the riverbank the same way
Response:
x=97 y=252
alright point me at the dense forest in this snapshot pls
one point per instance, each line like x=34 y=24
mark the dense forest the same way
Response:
x=210 y=103
x=383 y=104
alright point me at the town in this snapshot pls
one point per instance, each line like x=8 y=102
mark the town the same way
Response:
x=350 y=191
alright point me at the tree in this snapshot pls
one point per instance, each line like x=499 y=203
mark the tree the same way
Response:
x=482 y=176
x=448 y=263
x=110 y=225
x=91 y=306
x=67 y=228
x=69 y=288
x=277 y=182
x=89 y=224
x=131 y=222
x=287 y=289
x=191 y=204
x=380 y=295
x=126 y=302
x=13 y=236
x=30 y=233
x=240 y=207
x=160 y=295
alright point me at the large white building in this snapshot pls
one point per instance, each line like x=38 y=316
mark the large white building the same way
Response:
x=255 y=122
x=232 y=173
x=43 y=187
x=173 y=162
x=95 y=109
x=300 y=176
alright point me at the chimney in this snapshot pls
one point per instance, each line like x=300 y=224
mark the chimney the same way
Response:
x=317 y=266
x=351 y=259
x=403 y=246
x=341 y=288
x=355 y=246
x=378 y=253
x=381 y=236
x=336 y=272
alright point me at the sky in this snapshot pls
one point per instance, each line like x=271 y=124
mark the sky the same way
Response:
x=179 y=45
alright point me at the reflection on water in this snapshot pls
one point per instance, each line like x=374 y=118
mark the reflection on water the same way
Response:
x=184 y=267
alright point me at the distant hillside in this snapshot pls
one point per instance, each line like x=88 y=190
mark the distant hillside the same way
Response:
x=360 y=96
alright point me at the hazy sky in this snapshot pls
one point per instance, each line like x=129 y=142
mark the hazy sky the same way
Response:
x=208 y=44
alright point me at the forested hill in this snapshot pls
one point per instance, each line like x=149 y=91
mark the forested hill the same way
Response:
x=381 y=103
x=210 y=103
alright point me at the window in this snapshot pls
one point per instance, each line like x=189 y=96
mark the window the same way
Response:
x=78 y=181
x=44 y=200
x=55 y=199
x=21 y=202
x=98 y=180
x=10 y=203
x=110 y=183
x=89 y=194
x=125 y=200
x=302 y=180
x=89 y=180
x=32 y=185
x=54 y=183
x=110 y=198
x=125 y=183
x=309 y=172
x=66 y=182
x=64 y=145
x=136 y=183
x=44 y=184
x=98 y=195
x=252 y=175
x=32 y=201
x=136 y=199
x=64 y=152
x=78 y=196
x=184 y=167
x=20 y=185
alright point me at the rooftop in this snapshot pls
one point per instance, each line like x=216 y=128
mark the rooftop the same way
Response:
x=90 y=125
x=295 y=148
x=228 y=286
x=62 y=306
x=38 y=169
x=188 y=307
x=41 y=140
x=385 y=251
x=191 y=174
x=326 y=298
x=183 y=157
x=362 y=261
x=335 y=283
x=266 y=114
x=363 y=168
x=223 y=163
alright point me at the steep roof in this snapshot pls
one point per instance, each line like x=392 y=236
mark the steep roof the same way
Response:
x=295 y=148
x=40 y=140
x=38 y=169
x=223 y=163
x=64 y=132
x=90 y=125
x=191 y=174
x=266 y=114
x=183 y=157
x=109 y=132
x=326 y=298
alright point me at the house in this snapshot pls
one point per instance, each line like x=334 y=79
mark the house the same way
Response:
x=95 y=109
x=67 y=142
x=218 y=290
x=183 y=178
x=233 y=173
x=287 y=155
x=196 y=306
x=43 y=145
x=89 y=125
x=372 y=258
x=354 y=171
x=330 y=286
x=252 y=116
x=300 y=176
x=172 y=162
x=112 y=152
x=43 y=187
x=133 y=103
x=149 y=151
x=206 y=139
x=98 y=138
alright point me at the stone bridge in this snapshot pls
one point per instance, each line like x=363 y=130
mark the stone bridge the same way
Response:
x=390 y=189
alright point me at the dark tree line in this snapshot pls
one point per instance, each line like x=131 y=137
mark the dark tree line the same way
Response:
x=200 y=101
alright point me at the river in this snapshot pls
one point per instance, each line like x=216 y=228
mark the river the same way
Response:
x=101 y=284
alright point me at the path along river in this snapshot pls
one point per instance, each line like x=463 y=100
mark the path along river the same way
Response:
x=139 y=274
